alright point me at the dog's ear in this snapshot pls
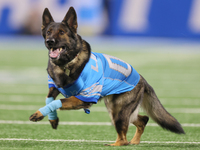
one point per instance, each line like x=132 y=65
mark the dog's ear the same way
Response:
x=71 y=19
x=46 y=18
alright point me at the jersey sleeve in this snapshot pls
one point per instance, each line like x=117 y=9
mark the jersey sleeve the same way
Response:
x=50 y=82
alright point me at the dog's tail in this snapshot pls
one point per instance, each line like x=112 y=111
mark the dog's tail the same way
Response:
x=157 y=112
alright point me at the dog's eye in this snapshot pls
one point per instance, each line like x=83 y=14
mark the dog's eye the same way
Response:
x=48 y=32
x=62 y=32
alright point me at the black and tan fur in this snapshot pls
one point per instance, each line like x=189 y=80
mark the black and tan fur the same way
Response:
x=123 y=108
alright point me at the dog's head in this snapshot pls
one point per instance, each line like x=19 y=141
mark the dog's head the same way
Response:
x=61 y=39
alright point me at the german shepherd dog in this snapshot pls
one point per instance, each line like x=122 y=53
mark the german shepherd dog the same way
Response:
x=69 y=55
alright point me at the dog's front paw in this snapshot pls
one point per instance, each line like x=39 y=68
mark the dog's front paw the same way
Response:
x=37 y=116
x=54 y=123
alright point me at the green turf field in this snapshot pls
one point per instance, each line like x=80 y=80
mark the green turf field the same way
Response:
x=175 y=77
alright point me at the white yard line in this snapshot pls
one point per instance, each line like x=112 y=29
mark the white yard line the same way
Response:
x=97 y=109
x=83 y=123
x=93 y=141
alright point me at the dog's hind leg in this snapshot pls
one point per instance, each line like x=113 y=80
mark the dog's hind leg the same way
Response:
x=140 y=124
x=136 y=119
x=121 y=108
x=119 y=120
x=121 y=126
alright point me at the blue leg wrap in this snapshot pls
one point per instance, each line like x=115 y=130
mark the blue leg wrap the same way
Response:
x=87 y=111
x=50 y=107
x=51 y=115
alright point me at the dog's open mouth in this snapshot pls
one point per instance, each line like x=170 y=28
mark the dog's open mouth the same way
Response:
x=55 y=52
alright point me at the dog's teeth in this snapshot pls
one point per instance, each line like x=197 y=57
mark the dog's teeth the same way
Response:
x=60 y=49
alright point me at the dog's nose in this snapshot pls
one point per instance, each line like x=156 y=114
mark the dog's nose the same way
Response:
x=50 y=42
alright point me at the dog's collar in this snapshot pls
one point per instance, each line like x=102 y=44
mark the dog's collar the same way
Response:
x=67 y=71
x=67 y=66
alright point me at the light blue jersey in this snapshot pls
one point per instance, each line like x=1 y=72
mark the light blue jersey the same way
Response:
x=103 y=75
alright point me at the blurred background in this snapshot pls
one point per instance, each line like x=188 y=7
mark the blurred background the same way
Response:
x=152 y=18
x=143 y=23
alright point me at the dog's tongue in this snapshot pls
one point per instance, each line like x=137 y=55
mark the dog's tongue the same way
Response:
x=54 y=53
